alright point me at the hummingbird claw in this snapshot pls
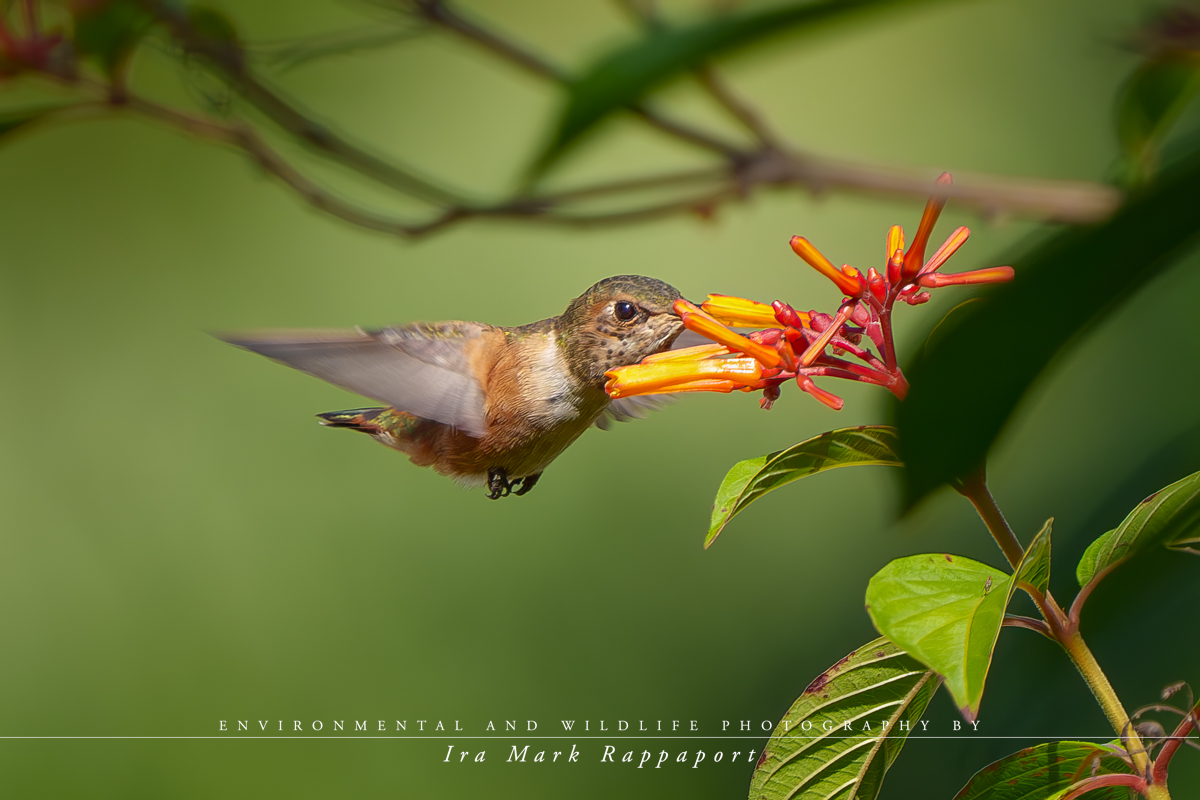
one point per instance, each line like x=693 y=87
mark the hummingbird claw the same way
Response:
x=498 y=483
x=527 y=483
x=501 y=486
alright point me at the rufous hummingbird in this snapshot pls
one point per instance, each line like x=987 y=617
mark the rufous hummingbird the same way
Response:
x=486 y=404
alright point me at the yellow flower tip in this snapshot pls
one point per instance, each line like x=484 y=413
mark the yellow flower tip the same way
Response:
x=696 y=320
x=948 y=248
x=739 y=312
x=895 y=241
x=812 y=256
x=675 y=376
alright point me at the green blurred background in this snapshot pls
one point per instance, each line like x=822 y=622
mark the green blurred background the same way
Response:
x=182 y=544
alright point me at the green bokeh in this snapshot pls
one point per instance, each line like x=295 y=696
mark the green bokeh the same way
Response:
x=182 y=544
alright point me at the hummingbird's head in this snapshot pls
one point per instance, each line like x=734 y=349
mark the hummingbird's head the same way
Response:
x=618 y=322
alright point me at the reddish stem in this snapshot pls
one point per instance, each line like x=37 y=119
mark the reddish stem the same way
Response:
x=1086 y=592
x=1172 y=744
x=1134 y=782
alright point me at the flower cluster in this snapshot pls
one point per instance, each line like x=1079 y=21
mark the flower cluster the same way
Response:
x=795 y=345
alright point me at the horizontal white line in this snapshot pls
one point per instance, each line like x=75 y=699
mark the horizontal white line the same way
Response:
x=575 y=738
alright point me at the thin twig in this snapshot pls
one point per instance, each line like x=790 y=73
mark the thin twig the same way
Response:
x=737 y=107
x=440 y=12
x=297 y=123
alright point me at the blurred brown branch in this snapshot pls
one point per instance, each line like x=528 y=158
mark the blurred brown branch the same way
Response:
x=736 y=172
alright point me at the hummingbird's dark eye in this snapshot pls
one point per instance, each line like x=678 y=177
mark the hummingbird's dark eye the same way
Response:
x=625 y=311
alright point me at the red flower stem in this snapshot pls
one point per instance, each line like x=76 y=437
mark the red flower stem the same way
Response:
x=875 y=332
x=872 y=375
x=887 y=346
x=1189 y=724
x=859 y=352
x=835 y=372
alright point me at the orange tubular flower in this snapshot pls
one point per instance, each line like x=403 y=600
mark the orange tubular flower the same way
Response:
x=915 y=256
x=989 y=275
x=696 y=320
x=682 y=375
x=737 y=312
x=948 y=248
x=803 y=248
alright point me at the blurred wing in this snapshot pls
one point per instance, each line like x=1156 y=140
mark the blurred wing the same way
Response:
x=628 y=408
x=423 y=369
x=688 y=339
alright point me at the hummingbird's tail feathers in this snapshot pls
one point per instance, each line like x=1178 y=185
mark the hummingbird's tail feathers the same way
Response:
x=358 y=419
x=397 y=429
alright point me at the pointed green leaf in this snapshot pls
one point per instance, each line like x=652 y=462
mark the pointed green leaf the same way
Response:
x=624 y=76
x=751 y=479
x=946 y=611
x=968 y=381
x=1043 y=771
x=880 y=692
x=1152 y=99
x=1169 y=515
x=1034 y=569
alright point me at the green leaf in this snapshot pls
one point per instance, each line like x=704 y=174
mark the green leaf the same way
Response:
x=966 y=384
x=1152 y=100
x=946 y=611
x=880 y=692
x=624 y=76
x=108 y=32
x=1042 y=771
x=751 y=479
x=1169 y=515
x=1034 y=569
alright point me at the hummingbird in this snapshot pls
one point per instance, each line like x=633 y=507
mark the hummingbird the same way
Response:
x=486 y=404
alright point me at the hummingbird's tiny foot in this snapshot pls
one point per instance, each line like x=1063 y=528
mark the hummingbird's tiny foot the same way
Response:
x=527 y=483
x=498 y=483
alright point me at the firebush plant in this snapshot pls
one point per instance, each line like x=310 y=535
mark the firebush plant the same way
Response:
x=940 y=614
